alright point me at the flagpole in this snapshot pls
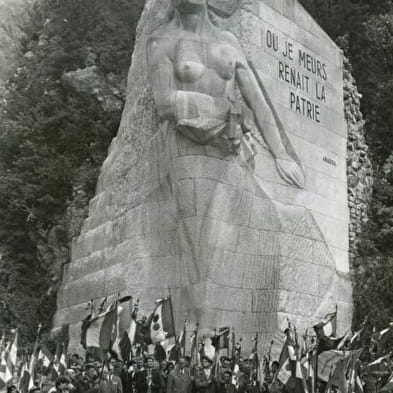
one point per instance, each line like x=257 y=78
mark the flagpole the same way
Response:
x=233 y=345
x=184 y=334
x=196 y=344
x=171 y=310
x=34 y=354
x=316 y=365
x=228 y=343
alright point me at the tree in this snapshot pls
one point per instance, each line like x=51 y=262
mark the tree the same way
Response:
x=61 y=110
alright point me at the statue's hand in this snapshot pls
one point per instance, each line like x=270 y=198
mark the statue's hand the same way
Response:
x=290 y=171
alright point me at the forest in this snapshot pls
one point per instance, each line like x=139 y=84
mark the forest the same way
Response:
x=61 y=107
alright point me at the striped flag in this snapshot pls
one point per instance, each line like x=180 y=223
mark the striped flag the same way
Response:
x=287 y=359
x=32 y=364
x=24 y=377
x=99 y=331
x=8 y=361
x=125 y=328
x=45 y=356
x=3 y=368
x=59 y=364
x=161 y=321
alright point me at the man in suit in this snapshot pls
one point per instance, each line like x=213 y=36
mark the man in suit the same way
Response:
x=179 y=380
x=204 y=378
x=87 y=383
x=111 y=383
x=226 y=386
x=147 y=380
x=225 y=366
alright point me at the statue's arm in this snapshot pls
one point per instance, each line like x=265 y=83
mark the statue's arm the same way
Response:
x=288 y=169
x=255 y=100
x=160 y=69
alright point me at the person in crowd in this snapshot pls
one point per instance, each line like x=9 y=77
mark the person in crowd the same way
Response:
x=179 y=380
x=153 y=375
x=225 y=366
x=12 y=389
x=140 y=377
x=126 y=377
x=111 y=383
x=204 y=378
x=147 y=380
x=274 y=385
x=239 y=379
x=226 y=386
x=170 y=366
x=87 y=383
x=62 y=385
x=156 y=364
x=76 y=360
x=163 y=375
x=131 y=371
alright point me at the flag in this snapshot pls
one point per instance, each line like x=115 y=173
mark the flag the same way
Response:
x=142 y=332
x=256 y=364
x=308 y=364
x=287 y=358
x=329 y=386
x=32 y=364
x=98 y=331
x=195 y=359
x=182 y=339
x=176 y=348
x=382 y=333
x=379 y=338
x=45 y=356
x=302 y=366
x=125 y=329
x=208 y=349
x=24 y=377
x=8 y=361
x=3 y=368
x=346 y=339
x=11 y=360
x=356 y=336
x=327 y=327
x=389 y=385
x=381 y=361
x=326 y=361
x=221 y=338
x=331 y=343
x=161 y=321
x=347 y=372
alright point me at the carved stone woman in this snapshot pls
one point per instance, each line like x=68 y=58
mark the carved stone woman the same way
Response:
x=228 y=261
x=193 y=67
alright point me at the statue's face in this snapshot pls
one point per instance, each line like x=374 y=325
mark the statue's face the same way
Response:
x=189 y=6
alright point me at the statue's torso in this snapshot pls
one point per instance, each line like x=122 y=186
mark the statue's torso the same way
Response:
x=204 y=65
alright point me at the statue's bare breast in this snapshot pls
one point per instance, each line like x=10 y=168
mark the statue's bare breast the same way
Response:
x=202 y=65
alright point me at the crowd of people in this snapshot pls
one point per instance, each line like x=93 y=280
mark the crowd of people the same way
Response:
x=148 y=375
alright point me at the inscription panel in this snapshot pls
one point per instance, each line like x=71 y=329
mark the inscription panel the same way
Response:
x=301 y=69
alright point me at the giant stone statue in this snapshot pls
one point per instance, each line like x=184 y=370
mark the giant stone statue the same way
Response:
x=205 y=188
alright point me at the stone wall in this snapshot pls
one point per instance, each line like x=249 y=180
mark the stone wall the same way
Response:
x=359 y=168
